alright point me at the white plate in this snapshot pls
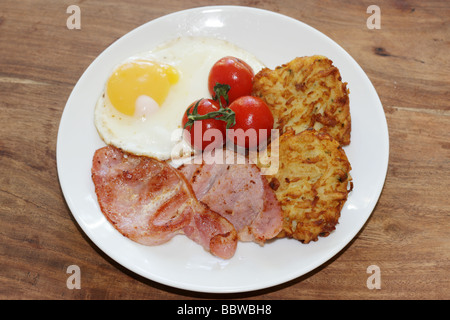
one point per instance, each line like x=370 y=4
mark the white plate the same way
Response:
x=181 y=263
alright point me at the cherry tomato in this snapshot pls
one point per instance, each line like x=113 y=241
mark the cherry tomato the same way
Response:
x=233 y=72
x=202 y=133
x=254 y=120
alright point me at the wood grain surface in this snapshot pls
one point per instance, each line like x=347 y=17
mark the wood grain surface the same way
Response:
x=407 y=235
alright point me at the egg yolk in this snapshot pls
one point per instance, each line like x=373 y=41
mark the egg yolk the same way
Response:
x=136 y=78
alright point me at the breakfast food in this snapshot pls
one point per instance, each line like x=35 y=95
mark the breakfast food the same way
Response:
x=312 y=183
x=208 y=132
x=307 y=92
x=247 y=122
x=254 y=122
x=204 y=93
x=236 y=190
x=233 y=72
x=150 y=202
x=146 y=95
x=232 y=114
x=310 y=105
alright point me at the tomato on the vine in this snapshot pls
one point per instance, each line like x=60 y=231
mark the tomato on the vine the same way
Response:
x=244 y=119
x=233 y=72
x=254 y=122
x=201 y=131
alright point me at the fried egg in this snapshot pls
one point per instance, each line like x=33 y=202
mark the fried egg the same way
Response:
x=145 y=97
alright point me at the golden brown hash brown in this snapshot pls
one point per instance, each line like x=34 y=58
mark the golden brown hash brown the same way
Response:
x=312 y=183
x=307 y=92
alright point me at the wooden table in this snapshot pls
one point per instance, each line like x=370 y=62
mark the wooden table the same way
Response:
x=407 y=235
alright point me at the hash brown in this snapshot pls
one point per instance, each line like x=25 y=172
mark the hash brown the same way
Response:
x=307 y=92
x=312 y=183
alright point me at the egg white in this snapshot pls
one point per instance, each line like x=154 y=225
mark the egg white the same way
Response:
x=159 y=133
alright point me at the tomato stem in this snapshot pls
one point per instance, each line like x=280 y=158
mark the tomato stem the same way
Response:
x=221 y=90
x=223 y=114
